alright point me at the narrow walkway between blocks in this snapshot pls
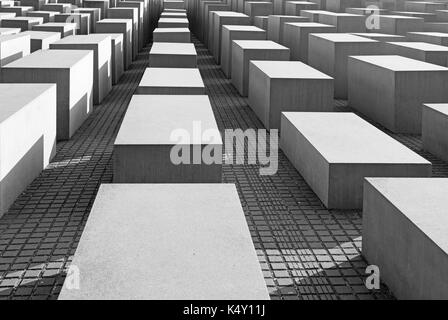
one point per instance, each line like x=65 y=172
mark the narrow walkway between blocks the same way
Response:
x=305 y=251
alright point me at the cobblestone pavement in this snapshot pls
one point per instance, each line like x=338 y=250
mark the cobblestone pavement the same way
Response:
x=305 y=251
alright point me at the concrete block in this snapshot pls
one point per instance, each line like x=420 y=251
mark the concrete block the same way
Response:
x=150 y=134
x=293 y=8
x=224 y=18
x=65 y=29
x=137 y=33
x=171 y=35
x=173 y=4
x=172 y=23
x=400 y=25
x=442 y=15
x=312 y=15
x=424 y=6
x=296 y=37
x=278 y=86
x=24 y=23
x=276 y=26
x=342 y=5
x=217 y=242
x=405 y=234
x=57 y=7
x=13 y=47
x=82 y=21
x=20 y=11
x=205 y=24
x=100 y=44
x=344 y=22
x=427 y=17
x=172 y=55
x=71 y=70
x=171 y=81
x=434 y=129
x=103 y=5
x=434 y=27
x=28 y=136
x=173 y=15
x=7 y=15
x=366 y=11
x=40 y=40
x=390 y=90
x=123 y=26
x=261 y=22
x=117 y=56
x=328 y=52
x=334 y=161
x=230 y=33
x=245 y=50
x=258 y=8
x=429 y=37
x=36 y=4
x=94 y=16
x=383 y=37
x=9 y=31
x=48 y=16
x=431 y=53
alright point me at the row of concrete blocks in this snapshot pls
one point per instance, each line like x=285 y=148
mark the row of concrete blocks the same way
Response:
x=83 y=69
x=167 y=99
x=334 y=162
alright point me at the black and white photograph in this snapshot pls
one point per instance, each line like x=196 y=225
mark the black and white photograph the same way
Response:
x=223 y=157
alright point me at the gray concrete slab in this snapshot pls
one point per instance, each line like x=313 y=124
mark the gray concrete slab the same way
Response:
x=82 y=21
x=48 y=16
x=171 y=35
x=103 y=5
x=13 y=47
x=28 y=135
x=439 y=38
x=94 y=15
x=427 y=52
x=276 y=26
x=258 y=8
x=390 y=89
x=100 y=44
x=296 y=37
x=65 y=29
x=57 y=7
x=9 y=31
x=175 y=245
x=71 y=70
x=405 y=235
x=230 y=33
x=245 y=50
x=261 y=22
x=383 y=37
x=395 y=24
x=328 y=52
x=137 y=32
x=312 y=15
x=434 y=129
x=172 y=23
x=163 y=138
x=279 y=86
x=40 y=40
x=334 y=161
x=24 y=23
x=293 y=8
x=344 y=22
x=171 y=81
x=172 y=55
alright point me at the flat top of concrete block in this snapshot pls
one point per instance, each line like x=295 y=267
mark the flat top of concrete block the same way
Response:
x=431 y=34
x=440 y=107
x=261 y=17
x=175 y=14
x=174 y=20
x=171 y=77
x=7 y=14
x=173 y=48
x=50 y=59
x=422 y=201
x=64 y=5
x=258 y=44
x=9 y=37
x=389 y=16
x=42 y=34
x=229 y=14
x=289 y=70
x=310 y=25
x=423 y=46
x=96 y=0
x=171 y=30
x=377 y=35
x=14 y=96
x=339 y=14
x=92 y=38
x=413 y=12
x=331 y=134
x=50 y=13
x=425 y=2
x=231 y=27
x=399 y=63
x=313 y=11
x=5 y=31
x=154 y=120
x=301 y=2
x=86 y=9
x=65 y=25
x=171 y=241
x=126 y=21
x=342 y=37
x=30 y=19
